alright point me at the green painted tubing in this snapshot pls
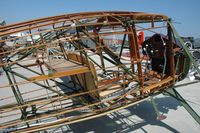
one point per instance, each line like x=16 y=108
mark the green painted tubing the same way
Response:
x=173 y=93
x=154 y=106
x=186 y=51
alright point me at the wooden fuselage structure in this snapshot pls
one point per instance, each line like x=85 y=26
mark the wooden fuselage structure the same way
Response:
x=76 y=75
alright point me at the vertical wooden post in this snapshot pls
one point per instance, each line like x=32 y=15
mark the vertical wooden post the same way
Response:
x=134 y=52
x=171 y=52
x=99 y=50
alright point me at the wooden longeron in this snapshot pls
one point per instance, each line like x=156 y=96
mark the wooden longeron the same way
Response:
x=73 y=67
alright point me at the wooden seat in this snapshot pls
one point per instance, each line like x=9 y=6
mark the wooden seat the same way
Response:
x=62 y=65
x=61 y=68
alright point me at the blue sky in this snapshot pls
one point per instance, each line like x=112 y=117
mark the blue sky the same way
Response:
x=185 y=12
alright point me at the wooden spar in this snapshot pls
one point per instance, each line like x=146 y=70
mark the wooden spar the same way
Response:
x=64 y=49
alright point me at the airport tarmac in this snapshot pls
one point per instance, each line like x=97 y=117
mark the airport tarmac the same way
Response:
x=142 y=118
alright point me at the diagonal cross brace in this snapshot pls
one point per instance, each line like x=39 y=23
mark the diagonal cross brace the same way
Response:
x=173 y=93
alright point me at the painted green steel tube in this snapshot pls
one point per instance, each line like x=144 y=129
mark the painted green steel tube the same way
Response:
x=186 y=51
x=173 y=93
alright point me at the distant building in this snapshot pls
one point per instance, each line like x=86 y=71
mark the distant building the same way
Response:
x=197 y=43
x=2 y=23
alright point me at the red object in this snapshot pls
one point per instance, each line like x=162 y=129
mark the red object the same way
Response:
x=140 y=37
x=161 y=117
